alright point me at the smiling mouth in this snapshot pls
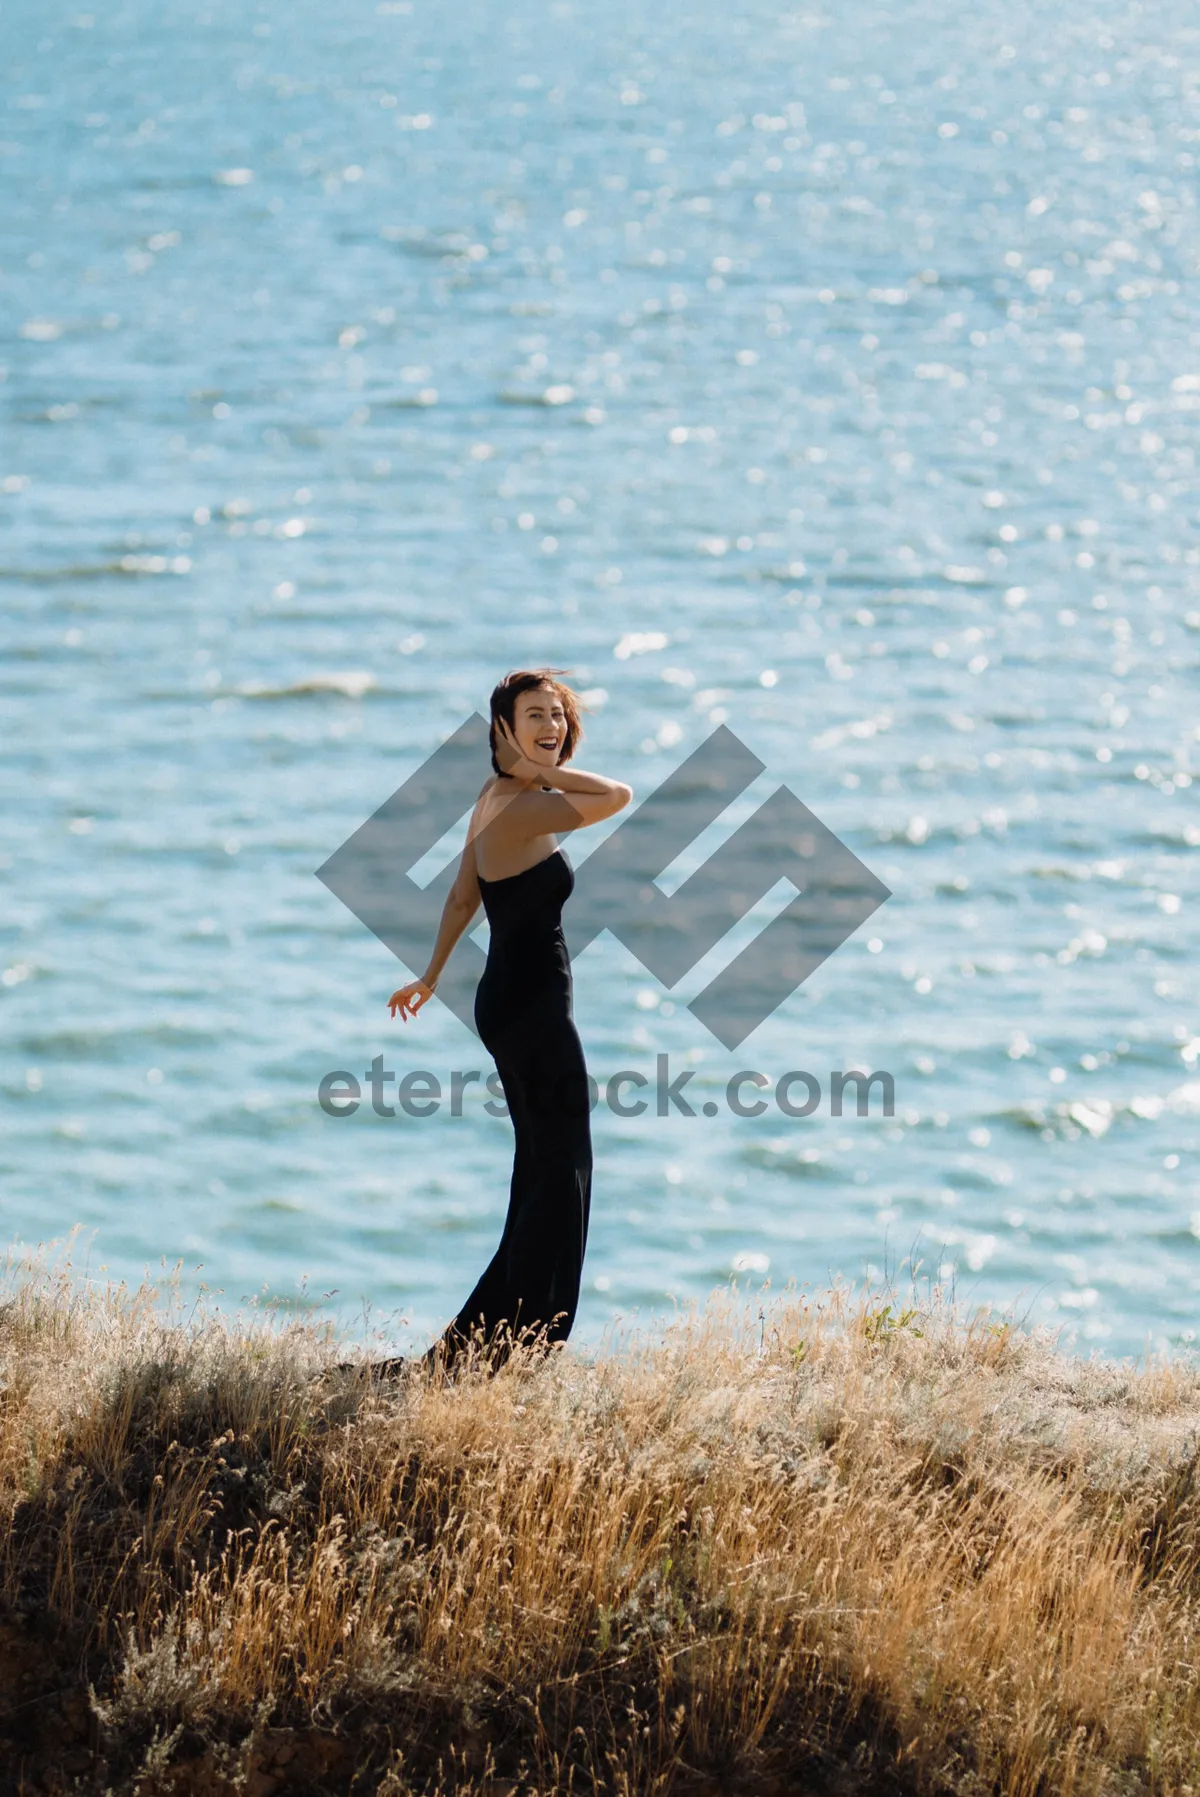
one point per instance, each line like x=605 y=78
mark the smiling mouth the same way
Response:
x=548 y=742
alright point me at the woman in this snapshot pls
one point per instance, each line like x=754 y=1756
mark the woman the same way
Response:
x=523 y=1006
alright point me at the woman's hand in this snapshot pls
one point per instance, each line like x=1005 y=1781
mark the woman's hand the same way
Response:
x=409 y=999
x=512 y=758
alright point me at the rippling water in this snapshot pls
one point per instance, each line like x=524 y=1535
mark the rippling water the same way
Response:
x=832 y=374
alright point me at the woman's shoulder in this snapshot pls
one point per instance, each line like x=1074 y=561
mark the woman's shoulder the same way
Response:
x=486 y=804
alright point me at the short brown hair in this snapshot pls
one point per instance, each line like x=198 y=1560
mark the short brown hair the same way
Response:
x=526 y=680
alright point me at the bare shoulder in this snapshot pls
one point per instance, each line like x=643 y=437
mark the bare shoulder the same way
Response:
x=486 y=808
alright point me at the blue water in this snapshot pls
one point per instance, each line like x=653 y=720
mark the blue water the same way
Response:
x=830 y=373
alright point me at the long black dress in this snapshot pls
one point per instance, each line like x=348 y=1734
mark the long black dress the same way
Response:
x=524 y=1017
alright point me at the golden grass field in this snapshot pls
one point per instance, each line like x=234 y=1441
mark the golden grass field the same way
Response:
x=794 y=1544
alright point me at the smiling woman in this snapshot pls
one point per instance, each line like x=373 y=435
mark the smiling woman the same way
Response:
x=513 y=865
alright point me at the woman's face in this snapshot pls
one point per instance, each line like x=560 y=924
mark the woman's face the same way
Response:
x=540 y=725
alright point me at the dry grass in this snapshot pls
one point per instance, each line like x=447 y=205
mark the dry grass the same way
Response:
x=841 y=1547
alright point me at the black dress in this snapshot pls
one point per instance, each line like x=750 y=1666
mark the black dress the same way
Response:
x=524 y=1018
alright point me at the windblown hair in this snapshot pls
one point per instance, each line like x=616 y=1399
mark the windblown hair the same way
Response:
x=526 y=680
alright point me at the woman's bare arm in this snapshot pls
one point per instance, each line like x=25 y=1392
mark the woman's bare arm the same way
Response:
x=571 y=806
x=462 y=902
x=575 y=779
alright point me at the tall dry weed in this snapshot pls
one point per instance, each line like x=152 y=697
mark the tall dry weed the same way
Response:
x=805 y=1543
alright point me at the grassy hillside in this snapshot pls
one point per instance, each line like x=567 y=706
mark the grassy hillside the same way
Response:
x=835 y=1546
